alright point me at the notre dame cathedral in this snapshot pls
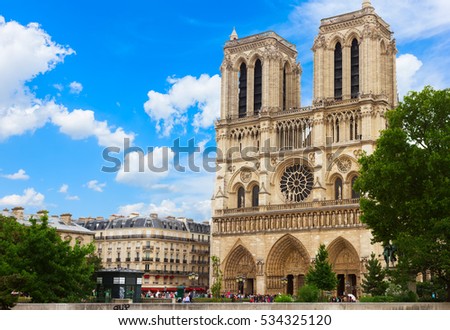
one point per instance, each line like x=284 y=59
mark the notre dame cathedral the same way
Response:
x=285 y=173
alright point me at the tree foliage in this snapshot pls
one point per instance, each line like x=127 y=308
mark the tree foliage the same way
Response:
x=216 y=286
x=405 y=184
x=321 y=274
x=374 y=282
x=35 y=260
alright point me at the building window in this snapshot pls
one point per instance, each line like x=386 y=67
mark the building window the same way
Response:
x=257 y=96
x=296 y=183
x=355 y=194
x=336 y=130
x=354 y=69
x=338 y=71
x=118 y=280
x=284 y=87
x=338 y=188
x=242 y=90
x=255 y=195
x=241 y=197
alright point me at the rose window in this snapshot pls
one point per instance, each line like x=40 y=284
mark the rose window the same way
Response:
x=296 y=183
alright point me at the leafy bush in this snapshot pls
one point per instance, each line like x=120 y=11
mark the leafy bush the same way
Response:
x=404 y=296
x=408 y=296
x=283 y=298
x=431 y=291
x=376 y=299
x=308 y=293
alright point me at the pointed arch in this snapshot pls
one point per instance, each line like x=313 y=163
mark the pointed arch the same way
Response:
x=338 y=71
x=283 y=252
x=354 y=67
x=257 y=87
x=239 y=261
x=242 y=97
x=343 y=256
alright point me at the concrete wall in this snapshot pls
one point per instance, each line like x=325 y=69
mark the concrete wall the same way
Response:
x=240 y=306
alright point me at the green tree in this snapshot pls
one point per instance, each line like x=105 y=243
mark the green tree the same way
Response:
x=405 y=185
x=11 y=234
x=37 y=261
x=321 y=274
x=216 y=286
x=374 y=283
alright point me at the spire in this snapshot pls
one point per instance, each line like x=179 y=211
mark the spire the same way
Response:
x=366 y=4
x=234 y=35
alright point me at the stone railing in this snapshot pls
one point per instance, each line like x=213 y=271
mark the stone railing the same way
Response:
x=287 y=206
x=329 y=216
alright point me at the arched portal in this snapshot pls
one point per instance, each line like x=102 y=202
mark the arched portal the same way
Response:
x=287 y=264
x=345 y=261
x=240 y=271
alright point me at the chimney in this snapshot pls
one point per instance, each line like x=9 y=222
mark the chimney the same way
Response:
x=41 y=213
x=66 y=218
x=18 y=212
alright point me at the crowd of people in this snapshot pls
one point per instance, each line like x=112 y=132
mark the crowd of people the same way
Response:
x=189 y=297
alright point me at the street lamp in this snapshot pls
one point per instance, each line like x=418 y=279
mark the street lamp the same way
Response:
x=284 y=282
x=193 y=277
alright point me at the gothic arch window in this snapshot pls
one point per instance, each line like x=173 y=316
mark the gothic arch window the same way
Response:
x=257 y=87
x=338 y=188
x=354 y=64
x=255 y=195
x=355 y=194
x=336 y=130
x=284 y=87
x=242 y=90
x=338 y=71
x=241 y=197
x=351 y=126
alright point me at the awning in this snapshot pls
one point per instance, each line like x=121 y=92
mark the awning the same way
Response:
x=192 y=288
x=154 y=290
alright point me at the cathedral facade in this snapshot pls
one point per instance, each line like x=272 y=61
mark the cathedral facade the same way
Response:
x=285 y=173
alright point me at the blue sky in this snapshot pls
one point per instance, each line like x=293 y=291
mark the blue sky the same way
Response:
x=77 y=77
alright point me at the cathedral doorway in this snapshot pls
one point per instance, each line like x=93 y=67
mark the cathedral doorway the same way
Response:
x=345 y=261
x=287 y=263
x=239 y=271
x=290 y=284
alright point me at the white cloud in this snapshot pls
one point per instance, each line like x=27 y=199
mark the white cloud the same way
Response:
x=429 y=17
x=19 y=175
x=75 y=87
x=25 y=52
x=165 y=208
x=29 y=198
x=407 y=67
x=95 y=185
x=169 y=110
x=81 y=124
x=64 y=189
x=146 y=170
x=59 y=87
x=198 y=210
